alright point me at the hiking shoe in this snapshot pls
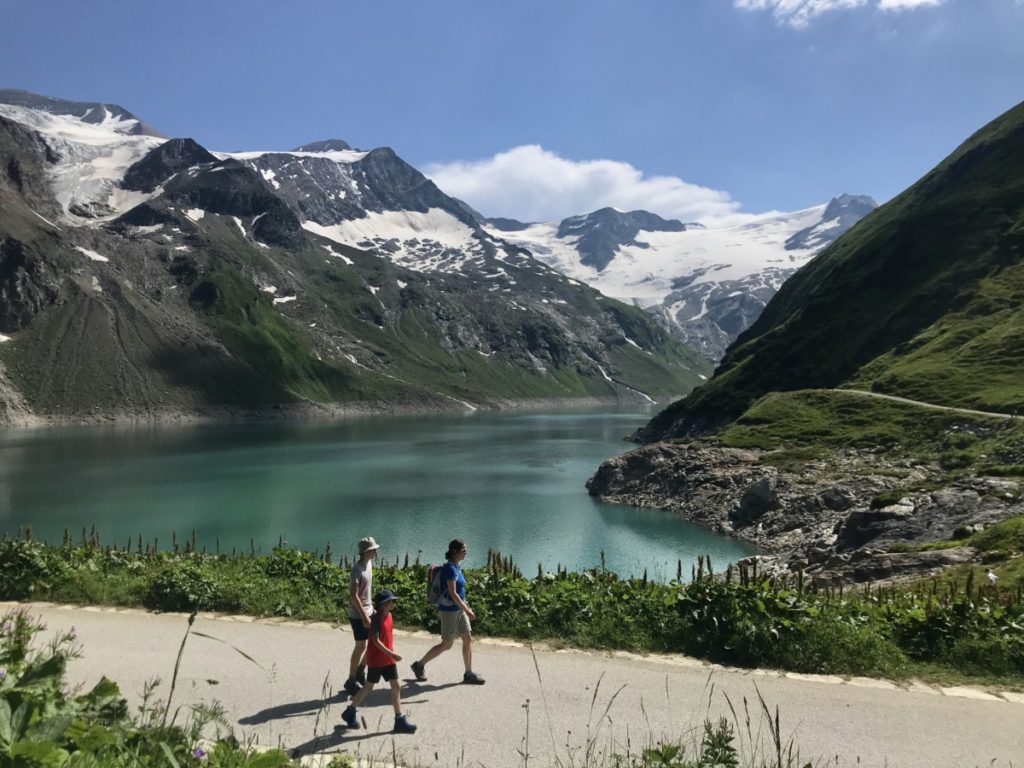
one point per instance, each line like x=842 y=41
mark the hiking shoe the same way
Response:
x=402 y=725
x=351 y=687
x=472 y=678
x=361 y=676
x=419 y=671
x=350 y=717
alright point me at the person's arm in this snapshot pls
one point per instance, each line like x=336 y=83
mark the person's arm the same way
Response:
x=353 y=597
x=375 y=639
x=453 y=592
x=381 y=647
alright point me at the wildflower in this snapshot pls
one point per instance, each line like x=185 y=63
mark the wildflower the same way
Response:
x=198 y=753
x=3 y=674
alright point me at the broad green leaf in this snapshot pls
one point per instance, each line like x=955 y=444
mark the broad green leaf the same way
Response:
x=42 y=673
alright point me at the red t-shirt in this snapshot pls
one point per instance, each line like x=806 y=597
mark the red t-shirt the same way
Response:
x=380 y=627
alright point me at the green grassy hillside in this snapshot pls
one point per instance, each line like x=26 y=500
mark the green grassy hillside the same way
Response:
x=921 y=299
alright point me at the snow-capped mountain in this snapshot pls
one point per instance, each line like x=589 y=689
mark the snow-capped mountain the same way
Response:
x=707 y=284
x=141 y=274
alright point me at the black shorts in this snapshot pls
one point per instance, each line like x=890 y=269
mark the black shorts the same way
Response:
x=359 y=632
x=389 y=673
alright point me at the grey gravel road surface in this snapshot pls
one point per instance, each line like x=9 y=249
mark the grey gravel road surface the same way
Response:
x=579 y=698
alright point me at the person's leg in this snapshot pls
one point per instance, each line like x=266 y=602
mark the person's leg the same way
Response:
x=362 y=694
x=396 y=697
x=467 y=651
x=436 y=651
x=356 y=661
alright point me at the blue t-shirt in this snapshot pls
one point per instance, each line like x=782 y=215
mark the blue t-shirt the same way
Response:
x=451 y=571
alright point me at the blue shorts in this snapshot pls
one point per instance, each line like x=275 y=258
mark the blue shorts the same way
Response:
x=359 y=632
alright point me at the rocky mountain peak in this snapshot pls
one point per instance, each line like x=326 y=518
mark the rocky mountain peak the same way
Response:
x=95 y=113
x=601 y=233
x=853 y=205
x=327 y=145
x=840 y=214
x=507 y=225
x=163 y=162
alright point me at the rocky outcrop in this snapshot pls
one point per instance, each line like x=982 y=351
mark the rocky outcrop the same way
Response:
x=826 y=519
x=27 y=285
x=164 y=161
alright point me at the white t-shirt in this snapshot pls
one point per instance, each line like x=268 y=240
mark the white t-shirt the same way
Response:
x=362 y=577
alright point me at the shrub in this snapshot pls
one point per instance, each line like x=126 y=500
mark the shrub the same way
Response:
x=27 y=566
x=181 y=586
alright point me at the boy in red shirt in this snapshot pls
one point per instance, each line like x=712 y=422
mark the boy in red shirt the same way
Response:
x=381 y=662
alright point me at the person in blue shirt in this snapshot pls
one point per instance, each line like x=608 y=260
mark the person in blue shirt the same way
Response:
x=455 y=615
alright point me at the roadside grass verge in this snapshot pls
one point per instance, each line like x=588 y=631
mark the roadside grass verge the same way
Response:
x=964 y=628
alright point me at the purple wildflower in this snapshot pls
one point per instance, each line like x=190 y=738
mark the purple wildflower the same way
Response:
x=198 y=753
x=3 y=674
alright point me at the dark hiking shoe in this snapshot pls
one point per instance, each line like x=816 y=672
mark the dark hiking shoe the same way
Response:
x=419 y=671
x=350 y=717
x=351 y=687
x=361 y=676
x=402 y=725
x=472 y=678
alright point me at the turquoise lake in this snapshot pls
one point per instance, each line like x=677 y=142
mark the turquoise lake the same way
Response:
x=510 y=481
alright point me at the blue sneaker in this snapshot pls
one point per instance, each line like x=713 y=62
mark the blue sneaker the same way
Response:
x=350 y=717
x=402 y=725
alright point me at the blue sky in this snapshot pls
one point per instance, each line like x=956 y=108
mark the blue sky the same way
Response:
x=538 y=109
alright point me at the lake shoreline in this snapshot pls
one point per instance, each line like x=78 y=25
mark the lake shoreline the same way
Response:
x=303 y=412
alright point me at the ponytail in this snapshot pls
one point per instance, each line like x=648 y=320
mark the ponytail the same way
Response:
x=455 y=545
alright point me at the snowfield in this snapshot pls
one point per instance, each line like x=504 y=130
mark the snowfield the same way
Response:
x=647 y=275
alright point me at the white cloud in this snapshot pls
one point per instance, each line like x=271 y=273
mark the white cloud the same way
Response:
x=532 y=184
x=799 y=13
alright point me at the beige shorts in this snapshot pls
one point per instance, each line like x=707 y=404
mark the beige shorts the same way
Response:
x=454 y=624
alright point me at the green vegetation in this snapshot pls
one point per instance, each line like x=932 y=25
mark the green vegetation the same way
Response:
x=970 y=358
x=740 y=619
x=810 y=424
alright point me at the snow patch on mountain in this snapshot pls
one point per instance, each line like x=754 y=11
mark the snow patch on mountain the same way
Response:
x=344 y=156
x=707 y=284
x=646 y=274
x=91 y=255
x=431 y=241
x=91 y=160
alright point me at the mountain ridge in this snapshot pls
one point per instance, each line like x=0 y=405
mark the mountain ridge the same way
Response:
x=704 y=284
x=142 y=277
